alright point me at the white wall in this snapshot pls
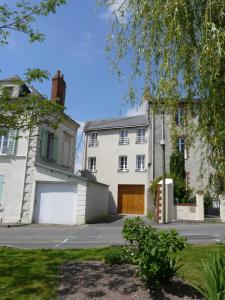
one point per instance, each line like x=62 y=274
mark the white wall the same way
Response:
x=107 y=162
x=13 y=170
x=96 y=202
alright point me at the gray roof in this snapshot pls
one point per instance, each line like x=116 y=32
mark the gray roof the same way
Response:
x=136 y=121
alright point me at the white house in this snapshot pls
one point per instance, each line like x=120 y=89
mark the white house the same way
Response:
x=37 y=181
x=116 y=153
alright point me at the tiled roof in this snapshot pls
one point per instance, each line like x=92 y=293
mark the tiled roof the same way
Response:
x=136 y=121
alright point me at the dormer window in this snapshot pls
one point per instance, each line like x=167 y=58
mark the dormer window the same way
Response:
x=140 y=139
x=123 y=139
x=93 y=139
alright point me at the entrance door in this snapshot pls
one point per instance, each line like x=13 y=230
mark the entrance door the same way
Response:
x=131 y=199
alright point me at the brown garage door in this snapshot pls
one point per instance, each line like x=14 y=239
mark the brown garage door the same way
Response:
x=131 y=199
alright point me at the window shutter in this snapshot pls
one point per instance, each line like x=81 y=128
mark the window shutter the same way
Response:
x=43 y=143
x=1 y=186
x=55 y=147
x=11 y=142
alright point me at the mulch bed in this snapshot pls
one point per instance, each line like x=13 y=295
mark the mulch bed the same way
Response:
x=96 y=280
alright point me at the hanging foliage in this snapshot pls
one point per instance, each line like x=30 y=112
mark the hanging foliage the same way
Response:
x=178 y=48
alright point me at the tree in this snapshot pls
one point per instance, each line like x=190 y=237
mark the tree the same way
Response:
x=30 y=110
x=178 y=48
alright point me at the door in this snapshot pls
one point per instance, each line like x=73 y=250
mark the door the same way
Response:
x=131 y=199
x=55 y=203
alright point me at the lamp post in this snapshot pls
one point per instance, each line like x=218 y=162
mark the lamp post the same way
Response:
x=162 y=143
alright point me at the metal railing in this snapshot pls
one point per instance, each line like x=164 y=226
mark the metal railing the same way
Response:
x=93 y=143
x=141 y=140
x=123 y=141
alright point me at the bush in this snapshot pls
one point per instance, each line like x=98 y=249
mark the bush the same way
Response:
x=154 y=252
x=214 y=278
x=117 y=256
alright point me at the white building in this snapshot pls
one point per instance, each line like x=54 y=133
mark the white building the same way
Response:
x=116 y=153
x=37 y=181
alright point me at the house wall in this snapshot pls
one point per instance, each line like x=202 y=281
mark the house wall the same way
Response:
x=97 y=201
x=13 y=170
x=107 y=162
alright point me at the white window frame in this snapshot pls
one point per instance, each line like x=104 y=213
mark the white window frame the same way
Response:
x=181 y=146
x=92 y=164
x=2 y=140
x=93 y=139
x=140 y=138
x=140 y=163
x=123 y=163
x=123 y=139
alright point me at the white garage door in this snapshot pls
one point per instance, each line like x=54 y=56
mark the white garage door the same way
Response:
x=55 y=203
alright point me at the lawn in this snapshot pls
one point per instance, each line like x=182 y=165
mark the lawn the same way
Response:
x=33 y=274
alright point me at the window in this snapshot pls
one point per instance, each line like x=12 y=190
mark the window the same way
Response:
x=4 y=143
x=8 y=142
x=92 y=164
x=1 y=186
x=123 y=140
x=140 y=163
x=181 y=146
x=140 y=136
x=180 y=116
x=123 y=163
x=93 y=142
x=66 y=153
x=48 y=145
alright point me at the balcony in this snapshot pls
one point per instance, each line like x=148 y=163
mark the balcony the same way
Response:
x=93 y=143
x=123 y=141
x=141 y=140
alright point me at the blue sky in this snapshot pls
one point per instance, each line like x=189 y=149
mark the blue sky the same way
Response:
x=75 y=44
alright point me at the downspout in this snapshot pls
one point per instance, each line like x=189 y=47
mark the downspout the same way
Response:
x=85 y=152
x=153 y=146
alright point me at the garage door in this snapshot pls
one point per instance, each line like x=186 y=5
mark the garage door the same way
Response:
x=131 y=199
x=55 y=203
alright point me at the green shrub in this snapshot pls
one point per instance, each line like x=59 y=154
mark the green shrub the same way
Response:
x=155 y=252
x=214 y=277
x=117 y=256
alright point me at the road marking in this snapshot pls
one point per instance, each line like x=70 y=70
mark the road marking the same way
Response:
x=65 y=241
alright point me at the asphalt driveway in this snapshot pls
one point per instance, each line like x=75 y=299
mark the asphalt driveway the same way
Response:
x=96 y=235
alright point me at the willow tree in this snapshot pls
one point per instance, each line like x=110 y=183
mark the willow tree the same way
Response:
x=177 y=48
x=31 y=110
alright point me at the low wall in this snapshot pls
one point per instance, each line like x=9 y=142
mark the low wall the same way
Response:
x=190 y=211
x=222 y=208
x=96 y=201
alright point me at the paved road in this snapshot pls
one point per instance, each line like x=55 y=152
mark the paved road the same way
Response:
x=96 y=235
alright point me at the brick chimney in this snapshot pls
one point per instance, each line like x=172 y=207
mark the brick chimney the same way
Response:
x=58 y=88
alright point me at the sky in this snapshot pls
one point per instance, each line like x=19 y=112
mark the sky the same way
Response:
x=75 y=44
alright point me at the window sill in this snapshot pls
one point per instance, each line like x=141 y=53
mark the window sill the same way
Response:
x=92 y=171
x=140 y=171
x=123 y=171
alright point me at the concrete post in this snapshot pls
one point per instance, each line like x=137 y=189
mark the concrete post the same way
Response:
x=169 y=202
x=199 y=206
x=222 y=207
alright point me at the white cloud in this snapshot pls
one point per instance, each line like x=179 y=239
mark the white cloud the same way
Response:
x=117 y=9
x=137 y=110
x=85 y=49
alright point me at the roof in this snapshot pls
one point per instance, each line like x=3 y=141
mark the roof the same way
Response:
x=125 y=122
x=16 y=79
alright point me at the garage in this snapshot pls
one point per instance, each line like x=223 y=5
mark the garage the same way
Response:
x=131 y=199
x=55 y=203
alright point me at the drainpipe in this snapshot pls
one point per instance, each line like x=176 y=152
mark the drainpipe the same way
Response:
x=153 y=146
x=162 y=143
x=85 y=152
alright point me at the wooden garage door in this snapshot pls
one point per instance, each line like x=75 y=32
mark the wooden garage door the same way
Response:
x=131 y=199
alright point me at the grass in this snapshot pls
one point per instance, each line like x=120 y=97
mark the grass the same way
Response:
x=33 y=274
